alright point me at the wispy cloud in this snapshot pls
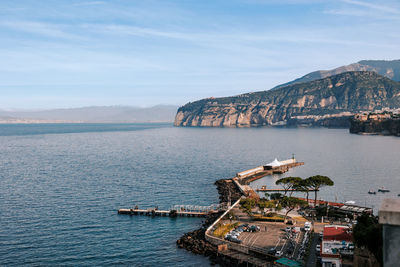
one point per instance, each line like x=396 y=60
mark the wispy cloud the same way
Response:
x=45 y=29
x=185 y=48
x=240 y=38
x=373 y=6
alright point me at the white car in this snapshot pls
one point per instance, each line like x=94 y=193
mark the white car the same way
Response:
x=318 y=248
x=279 y=253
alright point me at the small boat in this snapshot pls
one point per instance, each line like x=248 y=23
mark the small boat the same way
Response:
x=383 y=190
x=372 y=192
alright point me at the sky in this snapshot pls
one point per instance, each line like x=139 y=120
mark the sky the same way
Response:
x=61 y=54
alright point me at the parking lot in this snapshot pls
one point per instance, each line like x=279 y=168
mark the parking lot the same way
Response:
x=269 y=236
x=281 y=240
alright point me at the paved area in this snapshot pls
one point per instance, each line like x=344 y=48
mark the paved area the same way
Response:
x=270 y=236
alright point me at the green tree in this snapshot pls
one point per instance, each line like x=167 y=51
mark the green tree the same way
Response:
x=276 y=196
x=318 y=181
x=304 y=186
x=288 y=183
x=248 y=204
x=290 y=203
x=368 y=233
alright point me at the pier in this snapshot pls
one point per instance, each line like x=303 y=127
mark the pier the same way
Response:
x=243 y=179
x=274 y=167
x=257 y=255
x=175 y=211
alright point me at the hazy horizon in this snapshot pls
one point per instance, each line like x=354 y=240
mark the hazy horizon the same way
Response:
x=84 y=107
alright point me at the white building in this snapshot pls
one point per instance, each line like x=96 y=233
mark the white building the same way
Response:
x=336 y=239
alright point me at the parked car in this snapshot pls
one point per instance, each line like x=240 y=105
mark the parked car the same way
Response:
x=318 y=248
x=253 y=228
x=288 y=229
x=279 y=253
x=272 y=251
x=307 y=226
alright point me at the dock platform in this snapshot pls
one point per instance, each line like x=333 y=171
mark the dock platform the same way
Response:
x=162 y=213
x=175 y=211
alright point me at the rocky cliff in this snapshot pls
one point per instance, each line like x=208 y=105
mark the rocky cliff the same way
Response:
x=320 y=100
x=381 y=127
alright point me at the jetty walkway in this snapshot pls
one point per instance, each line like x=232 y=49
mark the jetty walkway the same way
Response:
x=175 y=211
x=243 y=179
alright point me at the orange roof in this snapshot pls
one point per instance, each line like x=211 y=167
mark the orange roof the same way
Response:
x=323 y=202
x=337 y=232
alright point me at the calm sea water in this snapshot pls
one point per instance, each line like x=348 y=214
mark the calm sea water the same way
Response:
x=61 y=184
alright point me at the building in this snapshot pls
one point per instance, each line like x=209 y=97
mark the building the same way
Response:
x=389 y=217
x=352 y=211
x=337 y=241
x=273 y=165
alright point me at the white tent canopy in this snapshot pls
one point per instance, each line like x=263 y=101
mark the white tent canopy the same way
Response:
x=275 y=163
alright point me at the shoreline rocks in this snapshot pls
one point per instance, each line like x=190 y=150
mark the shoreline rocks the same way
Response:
x=226 y=188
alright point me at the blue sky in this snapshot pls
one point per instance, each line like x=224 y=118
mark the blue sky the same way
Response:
x=142 y=53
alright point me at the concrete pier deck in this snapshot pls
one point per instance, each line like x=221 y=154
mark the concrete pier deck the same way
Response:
x=171 y=213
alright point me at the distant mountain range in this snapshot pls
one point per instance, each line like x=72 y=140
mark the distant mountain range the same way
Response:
x=117 y=114
x=328 y=101
x=387 y=68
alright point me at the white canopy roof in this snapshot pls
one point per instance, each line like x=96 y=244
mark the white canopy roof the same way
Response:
x=275 y=163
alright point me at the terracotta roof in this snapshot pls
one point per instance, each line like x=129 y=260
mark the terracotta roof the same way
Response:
x=322 y=202
x=337 y=232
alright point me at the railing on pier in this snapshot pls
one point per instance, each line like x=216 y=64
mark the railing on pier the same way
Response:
x=176 y=210
x=196 y=208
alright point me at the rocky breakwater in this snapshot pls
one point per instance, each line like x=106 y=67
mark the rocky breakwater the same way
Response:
x=326 y=99
x=195 y=241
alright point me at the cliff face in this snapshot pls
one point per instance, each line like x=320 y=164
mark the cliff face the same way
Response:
x=324 y=99
x=384 y=127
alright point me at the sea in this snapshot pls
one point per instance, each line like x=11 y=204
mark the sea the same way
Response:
x=62 y=184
